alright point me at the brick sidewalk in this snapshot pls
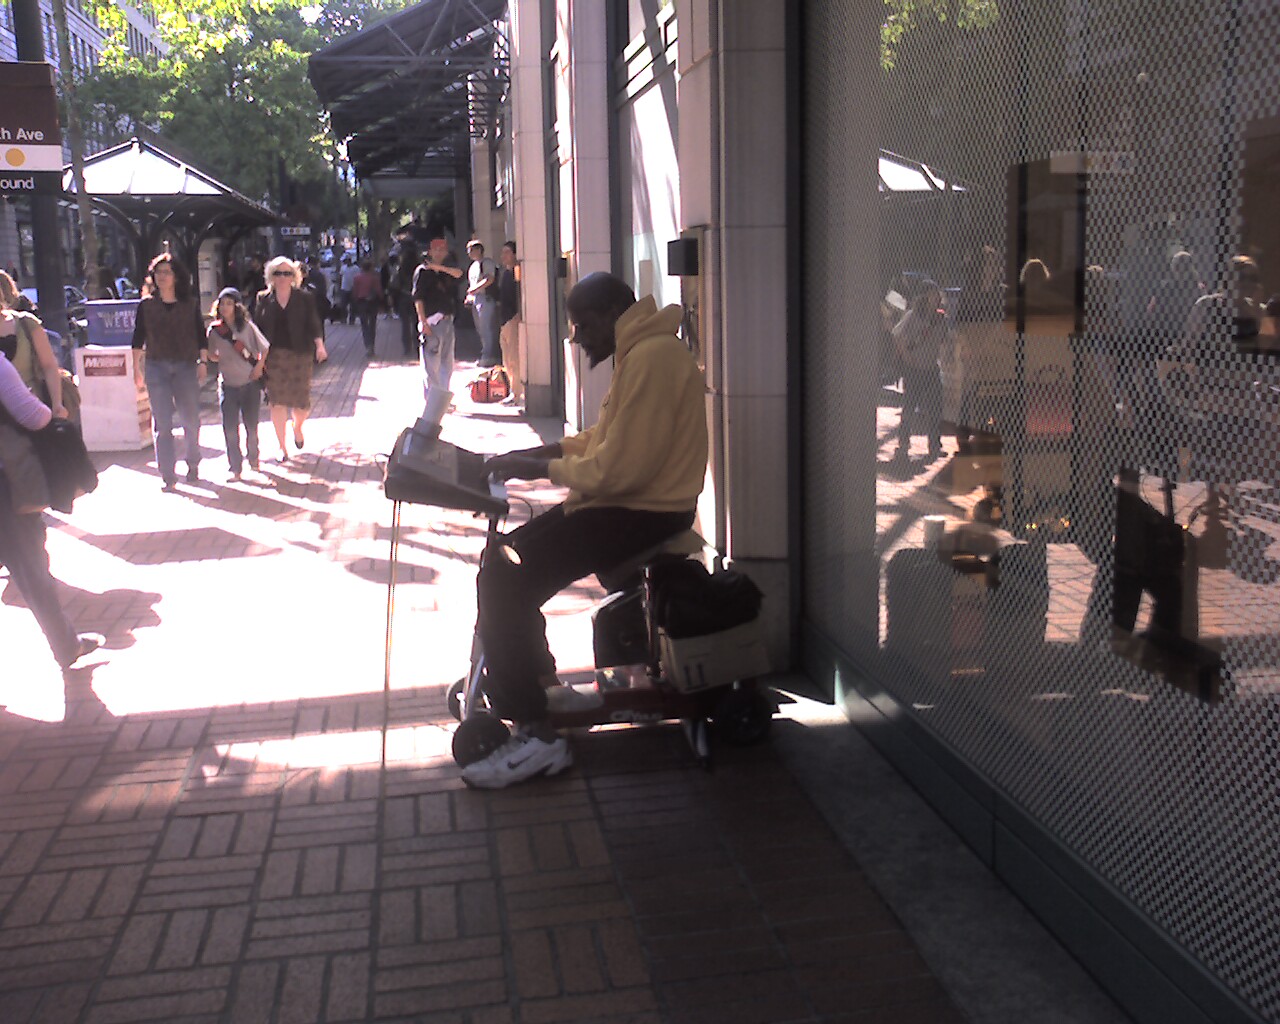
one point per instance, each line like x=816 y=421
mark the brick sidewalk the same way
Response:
x=221 y=820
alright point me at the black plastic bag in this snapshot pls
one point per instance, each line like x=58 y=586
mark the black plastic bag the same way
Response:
x=689 y=601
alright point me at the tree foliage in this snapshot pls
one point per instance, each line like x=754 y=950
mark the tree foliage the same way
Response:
x=901 y=16
x=232 y=89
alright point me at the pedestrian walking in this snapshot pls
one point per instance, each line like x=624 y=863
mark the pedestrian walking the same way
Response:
x=435 y=296
x=240 y=350
x=346 y=282
x=287 y=315
x=366 y=297
x=406 y=269
x=22 y=535
x=169 y=355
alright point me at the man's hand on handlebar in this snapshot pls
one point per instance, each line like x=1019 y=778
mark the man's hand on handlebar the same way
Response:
x=517 y=466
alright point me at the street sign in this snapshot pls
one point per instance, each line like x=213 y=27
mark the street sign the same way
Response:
x=30 y=137
x=295 y=232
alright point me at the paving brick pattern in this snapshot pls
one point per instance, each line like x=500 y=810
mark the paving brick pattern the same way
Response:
x=212 y=832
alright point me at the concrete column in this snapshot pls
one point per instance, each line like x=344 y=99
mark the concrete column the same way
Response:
x=732 y=173
x=583 y=132
x=529 y=161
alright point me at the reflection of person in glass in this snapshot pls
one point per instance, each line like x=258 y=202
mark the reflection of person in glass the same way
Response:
x=919 y=338
x=1196 y=374
x=982 y=297
x=1171 y=301
x=1240 y=297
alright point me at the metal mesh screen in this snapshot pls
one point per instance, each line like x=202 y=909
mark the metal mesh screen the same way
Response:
x=1042 y=421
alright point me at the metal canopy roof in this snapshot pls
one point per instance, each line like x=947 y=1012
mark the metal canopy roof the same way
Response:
x=408 y=92
x=150 y=193
x=139 y=176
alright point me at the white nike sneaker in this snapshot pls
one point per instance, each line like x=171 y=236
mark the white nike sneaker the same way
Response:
x=571 y=698
x=522 y=757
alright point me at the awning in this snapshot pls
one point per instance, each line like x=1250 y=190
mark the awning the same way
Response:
x=408 y=93
x=151 y=193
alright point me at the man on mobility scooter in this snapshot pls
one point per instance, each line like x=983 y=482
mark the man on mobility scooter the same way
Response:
x=634 y=480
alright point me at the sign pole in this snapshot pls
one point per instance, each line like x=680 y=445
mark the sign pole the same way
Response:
x=44 y=201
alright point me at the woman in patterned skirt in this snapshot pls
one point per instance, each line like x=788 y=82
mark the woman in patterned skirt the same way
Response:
x=287 y=315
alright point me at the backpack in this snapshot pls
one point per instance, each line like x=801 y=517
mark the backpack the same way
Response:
x=689 y=601
x=24 y=361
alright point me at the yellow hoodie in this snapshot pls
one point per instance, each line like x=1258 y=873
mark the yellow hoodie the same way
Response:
x=649 y=448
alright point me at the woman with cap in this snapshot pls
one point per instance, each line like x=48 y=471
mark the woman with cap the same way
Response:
x=287 y=315
x=240 y=351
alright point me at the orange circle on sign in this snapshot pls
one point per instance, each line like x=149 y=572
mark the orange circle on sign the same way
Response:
x=15 y=157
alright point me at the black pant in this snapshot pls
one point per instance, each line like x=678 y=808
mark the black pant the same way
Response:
x=922 y=392
x=22 y=539
x=367 y=312
x=408 y=314
x=555 y=549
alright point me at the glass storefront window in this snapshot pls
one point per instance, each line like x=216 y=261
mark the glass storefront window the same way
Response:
x=1042 y=421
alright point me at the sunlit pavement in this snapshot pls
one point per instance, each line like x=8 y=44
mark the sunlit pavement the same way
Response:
x=219 y=818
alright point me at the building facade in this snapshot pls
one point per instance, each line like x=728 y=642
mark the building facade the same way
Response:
x=986 y=298
x=86 y=39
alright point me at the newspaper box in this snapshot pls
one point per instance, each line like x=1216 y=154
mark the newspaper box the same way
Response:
x=697 y=663
x=115 y=414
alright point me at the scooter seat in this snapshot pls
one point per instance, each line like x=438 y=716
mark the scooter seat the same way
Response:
x=682 y=545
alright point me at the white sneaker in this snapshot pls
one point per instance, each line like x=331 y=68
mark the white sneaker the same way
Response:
x=570 y=698
x=521 y=757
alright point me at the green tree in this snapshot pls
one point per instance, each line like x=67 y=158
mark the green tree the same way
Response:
x=232 y=88
x=75 y=139
x=901 y=16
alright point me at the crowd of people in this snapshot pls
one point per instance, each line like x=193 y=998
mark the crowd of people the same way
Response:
x=265 y=337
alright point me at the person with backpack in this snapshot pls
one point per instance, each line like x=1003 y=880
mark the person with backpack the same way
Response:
x=24 y=340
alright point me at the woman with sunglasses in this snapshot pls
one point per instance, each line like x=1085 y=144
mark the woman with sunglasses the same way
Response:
x=287 y=315
x=169 y=354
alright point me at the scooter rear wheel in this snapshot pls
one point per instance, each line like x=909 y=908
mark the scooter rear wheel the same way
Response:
x=743 y=716
x=477 y=737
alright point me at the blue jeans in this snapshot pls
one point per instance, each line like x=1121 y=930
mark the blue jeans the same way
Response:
x=239 y=402
x=174 y=386
x=437 y=357
x=486 y=314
